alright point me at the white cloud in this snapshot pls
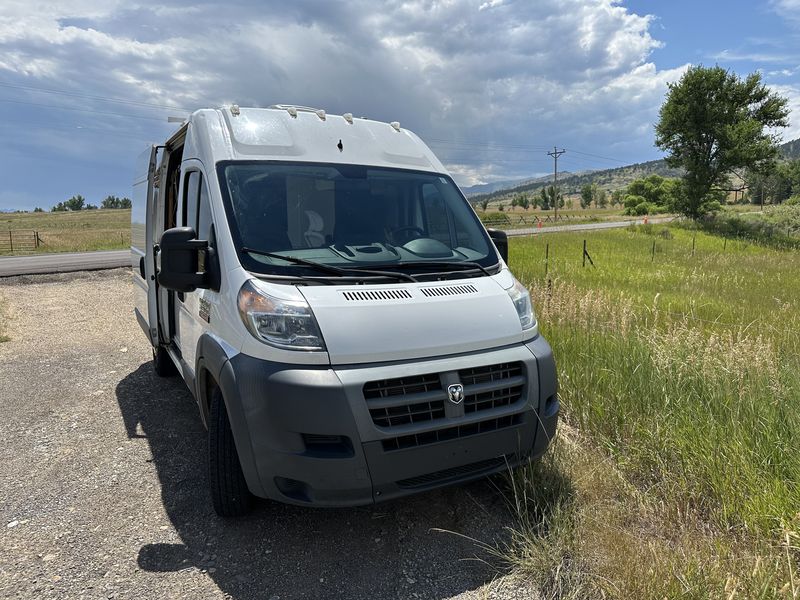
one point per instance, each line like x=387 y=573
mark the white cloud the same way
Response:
x=788 y=9
x=792 y=94
x=516 y=73
x=757 y=57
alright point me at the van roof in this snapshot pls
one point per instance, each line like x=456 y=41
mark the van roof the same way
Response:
x=290 y=133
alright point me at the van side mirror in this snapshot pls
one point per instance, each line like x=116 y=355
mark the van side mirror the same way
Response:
x=500 y=240
x=180 y=250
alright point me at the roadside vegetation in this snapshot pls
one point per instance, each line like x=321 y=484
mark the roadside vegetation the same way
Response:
x=675 y=473
x=66 y=231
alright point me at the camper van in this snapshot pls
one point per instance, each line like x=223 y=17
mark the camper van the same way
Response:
x=350 y=331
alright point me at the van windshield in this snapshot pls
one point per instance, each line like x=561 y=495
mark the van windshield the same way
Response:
x=352 y=217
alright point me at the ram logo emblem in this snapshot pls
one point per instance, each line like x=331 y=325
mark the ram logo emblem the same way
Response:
x=455 y=393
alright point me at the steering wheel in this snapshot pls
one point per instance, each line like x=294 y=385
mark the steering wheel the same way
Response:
x=407 y=228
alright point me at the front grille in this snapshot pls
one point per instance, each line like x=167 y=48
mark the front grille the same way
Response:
x=450 y=433
x=490 y=373
x=422 y=398
x=494 y=397
x=452 y=474
x=402 y=401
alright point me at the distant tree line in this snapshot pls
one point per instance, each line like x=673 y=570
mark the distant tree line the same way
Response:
x=776 y=184
x=78 y=202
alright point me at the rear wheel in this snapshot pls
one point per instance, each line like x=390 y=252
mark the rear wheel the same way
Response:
x=229 y=491
x=162 y=363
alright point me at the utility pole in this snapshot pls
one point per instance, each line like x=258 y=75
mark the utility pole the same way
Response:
x=555 y=154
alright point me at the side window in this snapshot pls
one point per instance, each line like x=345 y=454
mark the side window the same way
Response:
x=436 y=221
x=204 y=214
x=197 y=209
x=190 y=187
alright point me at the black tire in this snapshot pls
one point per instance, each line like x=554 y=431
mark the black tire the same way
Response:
x=226 y=481
x=162 y=363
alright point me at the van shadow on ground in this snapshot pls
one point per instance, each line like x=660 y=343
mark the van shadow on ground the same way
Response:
x=386 y=550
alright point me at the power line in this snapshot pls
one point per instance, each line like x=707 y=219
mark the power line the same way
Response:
x=84 y=129
x=484 y=144
x=85 y=110
x=599 y=156
x=91 y=97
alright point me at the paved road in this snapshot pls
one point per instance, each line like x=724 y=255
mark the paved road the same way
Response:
x=90 y=261
x=587 y=226
x=63 y=262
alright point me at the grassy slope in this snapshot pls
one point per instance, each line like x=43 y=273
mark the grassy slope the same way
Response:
x=74 y=231
x=678 y=470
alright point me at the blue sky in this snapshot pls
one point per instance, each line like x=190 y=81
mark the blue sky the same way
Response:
x=490 y=84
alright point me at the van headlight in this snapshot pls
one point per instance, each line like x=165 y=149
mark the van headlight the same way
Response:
x=288 y=324
x=521 y=298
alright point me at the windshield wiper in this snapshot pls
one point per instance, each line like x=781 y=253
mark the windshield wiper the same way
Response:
x=459 y=265
x=341 y=271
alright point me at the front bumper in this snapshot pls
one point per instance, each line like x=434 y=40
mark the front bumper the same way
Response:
x=318 y=436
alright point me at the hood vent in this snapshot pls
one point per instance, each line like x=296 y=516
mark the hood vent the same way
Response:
x=449 y=290
x=399 y=294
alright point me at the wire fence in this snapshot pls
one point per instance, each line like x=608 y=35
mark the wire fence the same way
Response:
x=517 y=220
x=19 y=240
x=655 y=246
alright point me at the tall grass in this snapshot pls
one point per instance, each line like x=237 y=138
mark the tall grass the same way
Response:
x=679 y=378
x=79 y=231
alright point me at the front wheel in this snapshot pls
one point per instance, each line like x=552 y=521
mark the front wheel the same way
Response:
x=229 y=491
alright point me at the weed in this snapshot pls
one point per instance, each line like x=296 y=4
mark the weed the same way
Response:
x=675 y=470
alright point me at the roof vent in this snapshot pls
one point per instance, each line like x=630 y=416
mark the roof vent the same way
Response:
x=321 y=114
x=235 y=110
x=396 y=125
x=348 y=117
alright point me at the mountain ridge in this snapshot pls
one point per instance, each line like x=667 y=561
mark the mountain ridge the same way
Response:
x=611 y=179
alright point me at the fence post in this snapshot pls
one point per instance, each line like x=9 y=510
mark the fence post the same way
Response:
x=11 y=240
x=36 y=239
x=694 y=239
x=586 y=255
x=653 y=259
x=725 y=245
x=546 y=257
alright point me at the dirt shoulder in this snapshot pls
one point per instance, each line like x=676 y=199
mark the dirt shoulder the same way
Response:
x=102 y=486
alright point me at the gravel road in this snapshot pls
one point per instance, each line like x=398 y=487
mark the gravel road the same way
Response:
x=102 y=484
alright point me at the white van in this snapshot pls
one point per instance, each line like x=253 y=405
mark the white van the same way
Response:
x=349 y=329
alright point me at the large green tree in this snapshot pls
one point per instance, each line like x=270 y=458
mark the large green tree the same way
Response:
x=713 y=122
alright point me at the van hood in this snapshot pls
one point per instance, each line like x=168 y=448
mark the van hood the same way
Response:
x=398 y=322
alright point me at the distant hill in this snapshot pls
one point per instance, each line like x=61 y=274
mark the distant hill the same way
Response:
x=790 y=150
x=571 y=183
x=610 y=179
x=494 y=186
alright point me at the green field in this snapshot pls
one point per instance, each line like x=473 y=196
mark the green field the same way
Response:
x=81 y=231
x=677 y=471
